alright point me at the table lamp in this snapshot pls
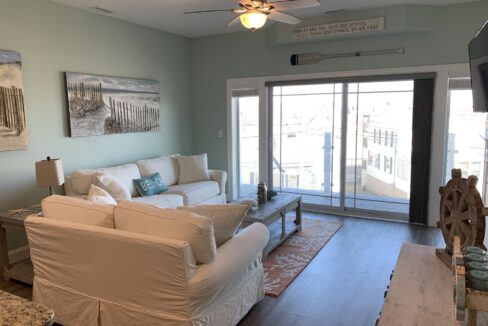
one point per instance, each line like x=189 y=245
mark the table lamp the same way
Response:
x=49 y=173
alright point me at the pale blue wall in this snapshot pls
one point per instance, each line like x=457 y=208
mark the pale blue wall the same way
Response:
x=430 y=36
x=53 y=38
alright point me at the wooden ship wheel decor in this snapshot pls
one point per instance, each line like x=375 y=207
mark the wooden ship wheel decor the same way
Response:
x=462 y=214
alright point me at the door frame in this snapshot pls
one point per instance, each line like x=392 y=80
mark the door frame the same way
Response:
x=439 y=127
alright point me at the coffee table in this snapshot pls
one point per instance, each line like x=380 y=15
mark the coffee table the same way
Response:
x=274 y=210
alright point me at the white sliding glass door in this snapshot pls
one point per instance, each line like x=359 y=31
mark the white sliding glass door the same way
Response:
x=307 y=141
x=344 y=145
x=379 y=146
x=246 y=110
x=467 y=135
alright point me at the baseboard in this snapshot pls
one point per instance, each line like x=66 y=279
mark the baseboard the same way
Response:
x=18 y=254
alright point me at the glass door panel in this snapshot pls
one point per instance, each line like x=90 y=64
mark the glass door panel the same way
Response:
x=248 y=144
x=306 y=141
x=467 y=136
x=379 y=146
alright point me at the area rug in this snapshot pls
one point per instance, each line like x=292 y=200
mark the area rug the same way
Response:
x=288 y=260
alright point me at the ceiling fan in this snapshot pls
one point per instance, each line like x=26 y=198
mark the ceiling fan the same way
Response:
x=253 y=14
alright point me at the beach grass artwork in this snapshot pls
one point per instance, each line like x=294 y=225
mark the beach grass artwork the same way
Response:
x=13 y=128
x=102 y=105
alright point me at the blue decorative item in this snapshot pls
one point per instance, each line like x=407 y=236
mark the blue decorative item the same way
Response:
x=158 y=181
x=145 y=186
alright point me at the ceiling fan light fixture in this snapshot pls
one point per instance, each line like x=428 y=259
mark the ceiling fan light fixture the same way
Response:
x=253 y=19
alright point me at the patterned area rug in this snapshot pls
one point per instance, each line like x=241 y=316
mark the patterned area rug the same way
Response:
x=288 y=260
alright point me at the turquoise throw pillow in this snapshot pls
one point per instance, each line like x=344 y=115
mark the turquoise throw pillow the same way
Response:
x=158 y=181
x=149 y=186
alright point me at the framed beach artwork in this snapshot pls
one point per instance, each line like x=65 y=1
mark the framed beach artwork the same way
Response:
x=13 y=128
x=102 y=105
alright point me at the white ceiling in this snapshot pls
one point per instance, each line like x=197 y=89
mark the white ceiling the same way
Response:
x=167 y=15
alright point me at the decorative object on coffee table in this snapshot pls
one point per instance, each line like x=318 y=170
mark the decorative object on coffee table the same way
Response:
x=13 y=128
x=461 y=214
x=49 y=173
x=22 y=270
x=275 y=210
x=15 y=311
x=262 y=193
x=270 y=194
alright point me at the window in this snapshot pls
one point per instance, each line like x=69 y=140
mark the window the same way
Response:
x=467 y=134
x=386 y=138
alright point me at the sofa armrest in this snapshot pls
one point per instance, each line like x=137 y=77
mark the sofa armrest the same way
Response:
x=220 y=177
x=235 y=260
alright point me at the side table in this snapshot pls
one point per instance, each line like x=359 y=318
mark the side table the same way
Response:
x=15 y=311
x=21 y=271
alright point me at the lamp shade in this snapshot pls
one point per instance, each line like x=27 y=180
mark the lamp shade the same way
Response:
x=253 y=19
x=49 y=173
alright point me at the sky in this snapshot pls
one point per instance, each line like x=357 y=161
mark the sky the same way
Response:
x=9 y=56
x=119 y=83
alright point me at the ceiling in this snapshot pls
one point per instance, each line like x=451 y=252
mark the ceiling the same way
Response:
x=167 y=15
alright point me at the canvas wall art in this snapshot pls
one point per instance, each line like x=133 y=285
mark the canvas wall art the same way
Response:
x=102 y=105
x=13 y=129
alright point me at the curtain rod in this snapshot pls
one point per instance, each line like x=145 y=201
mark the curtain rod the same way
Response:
x=315 y=57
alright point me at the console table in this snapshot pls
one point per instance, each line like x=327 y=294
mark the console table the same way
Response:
x=420 y=291
x=22 y=270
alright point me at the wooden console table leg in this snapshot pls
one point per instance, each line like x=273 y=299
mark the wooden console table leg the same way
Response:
x=298 y=218
x=4 y=263
x=472 y=317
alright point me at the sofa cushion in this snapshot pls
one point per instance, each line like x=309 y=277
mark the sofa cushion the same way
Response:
x=196 y=192
x=169 y=223
x=81 y=180
x=112 y=185
x=166 y=166
x=125 y=173
x=162 y=200
x=99 y=196
x=226 y=218
x=77 y=210
x=192 y=168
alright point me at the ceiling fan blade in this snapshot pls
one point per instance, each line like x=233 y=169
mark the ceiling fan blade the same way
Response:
x=234 y=21
x=283 y=18
x=202 y=11
x=283 y=5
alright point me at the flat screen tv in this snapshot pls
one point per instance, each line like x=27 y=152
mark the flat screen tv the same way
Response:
x=478 y=57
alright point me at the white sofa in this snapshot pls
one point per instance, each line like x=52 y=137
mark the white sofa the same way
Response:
x=94 y=275
x=210 y=191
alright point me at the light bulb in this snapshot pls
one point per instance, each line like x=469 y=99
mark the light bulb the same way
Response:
x=253 y=20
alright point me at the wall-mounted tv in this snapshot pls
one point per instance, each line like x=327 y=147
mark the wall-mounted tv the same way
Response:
x=478 y=57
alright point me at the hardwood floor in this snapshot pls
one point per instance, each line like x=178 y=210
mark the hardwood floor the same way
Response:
x=345 y=282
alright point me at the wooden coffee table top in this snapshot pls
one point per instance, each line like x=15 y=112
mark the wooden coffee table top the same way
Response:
x=266 y=212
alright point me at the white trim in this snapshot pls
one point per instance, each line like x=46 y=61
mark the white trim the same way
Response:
x=439 y=128
x=18 y=254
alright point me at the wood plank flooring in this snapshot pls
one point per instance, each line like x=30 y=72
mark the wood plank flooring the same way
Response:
x=345 y=282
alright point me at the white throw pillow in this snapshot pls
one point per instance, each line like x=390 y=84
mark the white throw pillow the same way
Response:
x=226 y=218
x=113 y=186
x=99 y=196
x=166 y=166
x=78 y=210
x=192 y=168
x=169 y=223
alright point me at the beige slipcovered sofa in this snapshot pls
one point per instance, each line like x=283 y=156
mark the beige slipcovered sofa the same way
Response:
x=101 y=275
x=211 y=191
